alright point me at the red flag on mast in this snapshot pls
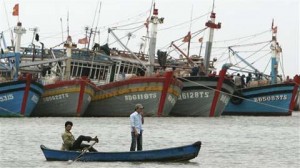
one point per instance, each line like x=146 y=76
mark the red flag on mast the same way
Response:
x=274 y=29
x=187 y=38
x=16 y=10
x=83 y=41
x=200 y=39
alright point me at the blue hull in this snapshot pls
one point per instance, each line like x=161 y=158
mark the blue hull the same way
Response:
x=15 y=101
x=182 y=153
x=270 y=100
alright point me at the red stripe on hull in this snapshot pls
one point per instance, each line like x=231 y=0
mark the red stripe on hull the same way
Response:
x=168 y=78
x=217 y=92
x=26 y=93
x=66 y=83
x=136 y=80
x=295 y=90
x=80 y=98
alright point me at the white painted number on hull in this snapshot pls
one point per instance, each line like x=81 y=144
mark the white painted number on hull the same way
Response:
x=141 y=96
x=224 y=99
x=35 y=98
x=171 y=99
x=270 y=98
x=56 y=97
x=6 y=97
x=193 y=95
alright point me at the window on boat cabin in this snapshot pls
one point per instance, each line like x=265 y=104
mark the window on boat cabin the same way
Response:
x=102 y=72
x=134 y=70
x=130 y=69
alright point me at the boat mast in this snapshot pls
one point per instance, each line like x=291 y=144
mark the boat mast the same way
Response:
x=189 y=34
x=69 y=45
x=95 y=32
x=276 y=50
x=147 y=27
x=211 y=24
x=3 y=41
x=155 y=20
x=19 y=30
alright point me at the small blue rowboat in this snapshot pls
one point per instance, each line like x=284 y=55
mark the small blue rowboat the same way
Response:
x=182 y=153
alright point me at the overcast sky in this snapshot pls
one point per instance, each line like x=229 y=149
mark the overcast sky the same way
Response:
x=239 y=18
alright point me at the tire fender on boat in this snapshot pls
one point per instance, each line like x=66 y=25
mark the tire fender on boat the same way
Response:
x=237 y=98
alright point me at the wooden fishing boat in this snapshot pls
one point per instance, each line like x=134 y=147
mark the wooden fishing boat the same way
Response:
x=19 y=93
x=268 y=100
x=69 y=84
x=182 y=153
x=66 y=98
x=204 y=94
x=133 y=80
x=19 y=98
x=264 y=95
x=71 y=94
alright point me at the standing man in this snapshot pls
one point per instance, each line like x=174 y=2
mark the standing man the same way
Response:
x=202 y=69
x=136 y=121
x=69 y=142
x=238 y=81
x=248 y=79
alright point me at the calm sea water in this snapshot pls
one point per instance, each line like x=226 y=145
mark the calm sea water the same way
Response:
x=229 y=141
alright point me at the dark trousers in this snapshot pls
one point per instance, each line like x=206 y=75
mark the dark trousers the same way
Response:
x=77 y=145
x=136 y=141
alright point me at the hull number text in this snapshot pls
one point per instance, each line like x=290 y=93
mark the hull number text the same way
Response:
x=270 y=98
x=56 y=97
x=193 y=95
x=6 y=97
x=144 y=96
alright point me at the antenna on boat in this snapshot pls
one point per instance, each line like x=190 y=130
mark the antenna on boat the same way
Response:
x=68 y=29
x=62 y=30
x=89 y=39
x=34 y=30
x=3 y=41
x=11 y=31
x=86 y=28
x=189 y=34
x=100 y=3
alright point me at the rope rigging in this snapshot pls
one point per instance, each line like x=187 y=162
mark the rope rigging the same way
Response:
x=194 y=34
x=132 y=32
x=238 y=62
x=185 y=22
x=245 y=37
x=142 y=14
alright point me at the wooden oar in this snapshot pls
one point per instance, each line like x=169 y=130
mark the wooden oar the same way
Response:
x=83 y=152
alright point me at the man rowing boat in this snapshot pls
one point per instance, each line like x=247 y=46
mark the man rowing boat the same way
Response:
x=69 y=142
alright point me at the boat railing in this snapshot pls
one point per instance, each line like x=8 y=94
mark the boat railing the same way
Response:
x=98 y=82
x=4 y=79
x=50 y=79
x=128 y=54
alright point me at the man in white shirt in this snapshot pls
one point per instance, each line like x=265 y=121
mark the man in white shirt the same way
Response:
x=136 y=122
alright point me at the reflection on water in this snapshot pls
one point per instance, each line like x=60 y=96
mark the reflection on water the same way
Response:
x=231 y=141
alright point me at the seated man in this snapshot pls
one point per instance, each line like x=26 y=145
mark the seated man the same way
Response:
x=69 y=142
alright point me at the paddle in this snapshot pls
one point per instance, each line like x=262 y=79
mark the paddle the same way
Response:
x=83 y=152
